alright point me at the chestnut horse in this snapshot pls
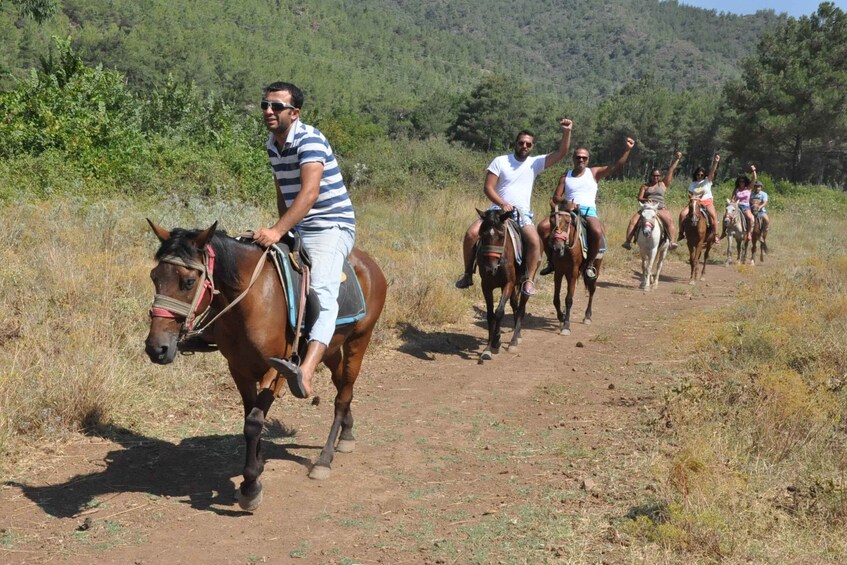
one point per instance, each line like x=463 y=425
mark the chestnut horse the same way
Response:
x=565 y=248
x=197 y=270
x=699 y=236
x=498 y=268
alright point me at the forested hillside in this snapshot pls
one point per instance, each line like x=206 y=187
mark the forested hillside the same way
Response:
x=391 y=52
x=90 y=81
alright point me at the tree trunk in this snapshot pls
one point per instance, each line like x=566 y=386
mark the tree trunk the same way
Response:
x=795 y=161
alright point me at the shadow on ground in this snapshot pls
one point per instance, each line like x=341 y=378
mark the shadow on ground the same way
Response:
x=198 y=468
x=424 y=345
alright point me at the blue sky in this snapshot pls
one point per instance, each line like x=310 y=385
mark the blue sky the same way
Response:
x=794 y=8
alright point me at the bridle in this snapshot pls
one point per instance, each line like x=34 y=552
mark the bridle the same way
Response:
x=171 y=308
x=559 y=233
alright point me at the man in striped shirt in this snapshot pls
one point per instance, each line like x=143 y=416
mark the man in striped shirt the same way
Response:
x=311 y=198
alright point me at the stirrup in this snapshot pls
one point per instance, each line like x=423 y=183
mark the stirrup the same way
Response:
x=591 y=272
x=528 y=288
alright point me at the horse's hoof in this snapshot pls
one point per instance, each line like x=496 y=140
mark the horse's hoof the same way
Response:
x=345 y=446
x=249 y=503
x=692 y=283
x=587 y=321
x=564 y=331
x=320 y=473
x=495 y=350
x=513 y=348
x=485 y=355
x=520 y=340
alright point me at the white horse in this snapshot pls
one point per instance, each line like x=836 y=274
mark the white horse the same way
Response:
x=653 y=246
x=733 y=223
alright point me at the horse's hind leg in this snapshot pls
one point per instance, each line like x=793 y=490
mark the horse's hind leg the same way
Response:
x=591 y=285
x=345 y=369
x=519 y=307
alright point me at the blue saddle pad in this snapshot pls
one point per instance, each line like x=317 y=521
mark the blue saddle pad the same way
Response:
x=351 y=301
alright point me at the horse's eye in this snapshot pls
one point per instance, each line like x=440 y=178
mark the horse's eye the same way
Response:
x=187 y=284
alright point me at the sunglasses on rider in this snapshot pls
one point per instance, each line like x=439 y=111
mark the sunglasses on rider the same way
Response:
x=276 y=106
x=580 y=157
x=524 y=144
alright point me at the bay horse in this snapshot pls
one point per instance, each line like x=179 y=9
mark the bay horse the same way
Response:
x=699 y=236
x=197 y=270
x=566 y=254
x=758 y=240
x=653 y=246
x=498 y=268
x=733 y=222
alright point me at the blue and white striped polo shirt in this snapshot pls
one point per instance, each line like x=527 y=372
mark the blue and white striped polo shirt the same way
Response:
x=305 y=144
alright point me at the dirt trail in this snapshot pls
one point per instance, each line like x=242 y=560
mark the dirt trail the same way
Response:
x=529 y=458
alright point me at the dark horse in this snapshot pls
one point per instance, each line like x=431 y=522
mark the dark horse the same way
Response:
x=498 y=268
x=699 y=236
x=566 y=255
x=252 y=330
x=759 y=239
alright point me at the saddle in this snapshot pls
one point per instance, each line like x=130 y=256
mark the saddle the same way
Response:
x=581 y=223
x=289 y=257
x=514 y=232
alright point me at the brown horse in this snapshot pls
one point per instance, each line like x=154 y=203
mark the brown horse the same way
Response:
x=699 y=236
x=498 y=268
x=565 y=248
x=759 y=238
x=253 y=329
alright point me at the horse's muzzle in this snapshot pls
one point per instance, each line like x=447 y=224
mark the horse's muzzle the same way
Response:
x=160 y=349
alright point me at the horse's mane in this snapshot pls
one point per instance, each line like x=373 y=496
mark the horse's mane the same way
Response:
x=181 y=244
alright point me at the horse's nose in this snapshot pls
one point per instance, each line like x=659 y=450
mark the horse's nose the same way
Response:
x=158 y=353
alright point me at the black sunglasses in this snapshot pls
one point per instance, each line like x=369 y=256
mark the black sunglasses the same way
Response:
x=524 y=143
x=276 y=106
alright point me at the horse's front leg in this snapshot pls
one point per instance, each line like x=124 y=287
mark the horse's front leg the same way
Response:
x=557 y=301
x=505 y=293
x=705 y=251
x=256 y=406
x=729 y=237
x=488 y=293
x=574 y=276
x=645 y=272
x=693 y=257
x=663 y=254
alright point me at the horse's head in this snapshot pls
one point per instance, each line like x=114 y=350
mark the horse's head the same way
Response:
x=184 y=288
x=649 y=210
x=730 y=216
x=492 y=240
x=694 y=211
x=562 y=232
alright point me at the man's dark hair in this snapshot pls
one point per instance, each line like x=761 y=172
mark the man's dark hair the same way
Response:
x=525 y=132
x=698 y=170
x=584 y=148
x=279 y=86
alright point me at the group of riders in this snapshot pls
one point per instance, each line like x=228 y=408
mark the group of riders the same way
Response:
x=509 y=183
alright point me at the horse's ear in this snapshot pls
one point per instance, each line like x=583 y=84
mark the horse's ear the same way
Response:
x=480 y=214
x=160 y=232
x=204 y=237
x=728 y=201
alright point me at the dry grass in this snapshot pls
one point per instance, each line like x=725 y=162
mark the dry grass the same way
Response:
x=758 y=471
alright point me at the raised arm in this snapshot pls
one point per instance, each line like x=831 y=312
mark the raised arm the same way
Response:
x=711 y=175
x=753 y=172
x=559 y=193
x=564 y=145
x=669 y=177
x=603 y=172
